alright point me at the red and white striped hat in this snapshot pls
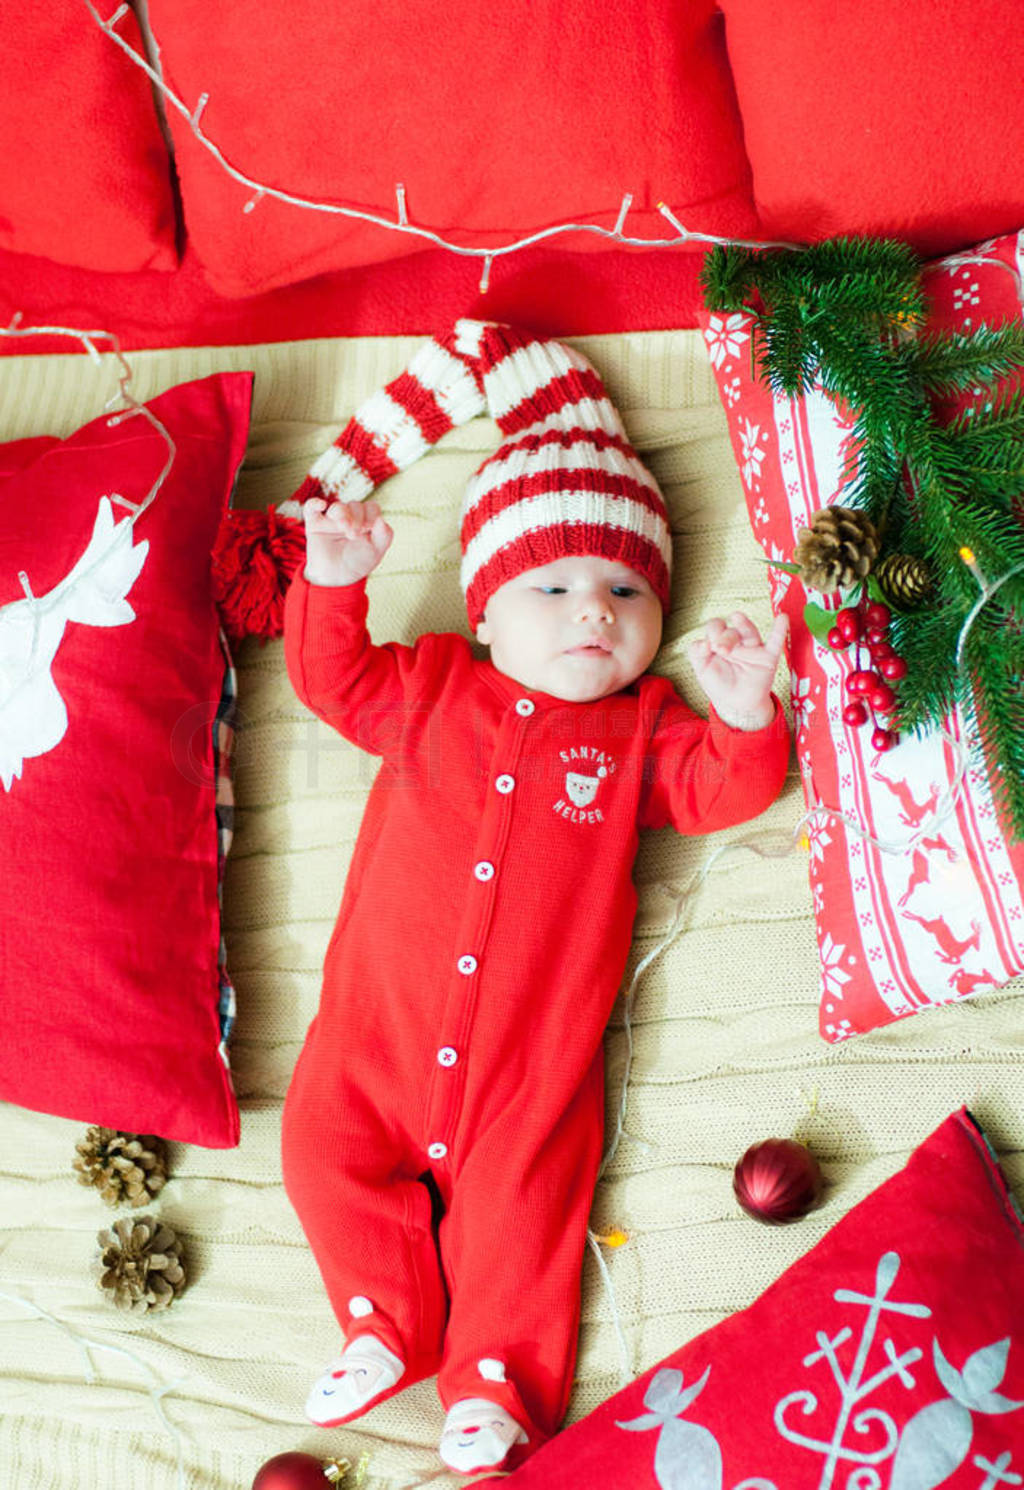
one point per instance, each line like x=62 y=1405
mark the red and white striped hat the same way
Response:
x=565 y=480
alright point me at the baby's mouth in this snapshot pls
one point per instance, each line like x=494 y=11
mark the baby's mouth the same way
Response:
x=596 y=646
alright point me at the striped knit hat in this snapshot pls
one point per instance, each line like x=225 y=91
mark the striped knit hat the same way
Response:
x=565 y=480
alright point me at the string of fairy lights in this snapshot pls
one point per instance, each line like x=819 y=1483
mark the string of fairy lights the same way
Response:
x=400 y=222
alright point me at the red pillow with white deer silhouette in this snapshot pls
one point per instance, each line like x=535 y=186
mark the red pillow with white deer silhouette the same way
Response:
x=114 y=1005
x=892 y=1354
x=939 y=913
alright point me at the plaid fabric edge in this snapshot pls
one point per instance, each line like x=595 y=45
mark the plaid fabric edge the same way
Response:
x=223 y=744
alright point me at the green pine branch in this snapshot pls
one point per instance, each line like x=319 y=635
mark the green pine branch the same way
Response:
x=846 y=316
x=995 y=707
x=955 y=362
x=999 y=427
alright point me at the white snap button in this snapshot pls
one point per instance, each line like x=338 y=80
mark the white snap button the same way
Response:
x=484 y=870
x=447 y=1056
x=436 y=1150
x=359 y=1307
x=467 y=964
x=525 y=707
x=505 y=784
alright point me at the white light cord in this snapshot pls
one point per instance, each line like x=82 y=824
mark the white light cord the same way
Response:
x=37 y=661
x=401 y=224
x=626 y=1372
x=960 y=261
x=767 y=844
x=131 y=404
x=156 y=1392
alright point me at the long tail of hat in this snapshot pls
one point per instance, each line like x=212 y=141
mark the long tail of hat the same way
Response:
x=530 y=384
x=441 y=387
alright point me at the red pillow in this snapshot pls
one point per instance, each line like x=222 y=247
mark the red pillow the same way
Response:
x=869 y=116
x=897 y=932
x=111 y=680
x=84 y=171
x=497 y=120
x=892 y=1355
x=18 y=453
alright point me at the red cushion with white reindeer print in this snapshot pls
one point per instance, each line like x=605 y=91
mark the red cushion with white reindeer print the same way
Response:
x=918 y=897
x=891 y=1355
x=114 y=1006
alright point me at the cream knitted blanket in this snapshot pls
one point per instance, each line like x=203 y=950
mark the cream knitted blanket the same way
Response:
x=723 y=1030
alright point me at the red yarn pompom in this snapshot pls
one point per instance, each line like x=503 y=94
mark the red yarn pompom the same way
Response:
x=777 y=1181
x=254 y=559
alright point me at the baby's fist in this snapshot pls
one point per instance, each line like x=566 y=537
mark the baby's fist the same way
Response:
x=345 y=541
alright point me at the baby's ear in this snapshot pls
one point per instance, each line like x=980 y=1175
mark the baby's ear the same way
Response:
x=483 y=631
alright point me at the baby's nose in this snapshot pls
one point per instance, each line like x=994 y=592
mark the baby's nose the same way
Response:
x=595 y=605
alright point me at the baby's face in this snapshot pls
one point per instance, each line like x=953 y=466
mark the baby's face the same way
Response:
x=578 y=629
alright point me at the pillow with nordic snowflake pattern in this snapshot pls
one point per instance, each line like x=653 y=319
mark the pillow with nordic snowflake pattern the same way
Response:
x=890 y=1357
x=115 y=1004
x=918 y=895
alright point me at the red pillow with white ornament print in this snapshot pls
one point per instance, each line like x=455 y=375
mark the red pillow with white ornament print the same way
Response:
x=892 y=1355
x=115 y=1006
x=918 y=924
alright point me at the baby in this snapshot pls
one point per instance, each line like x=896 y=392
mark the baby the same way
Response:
x=443 y=1129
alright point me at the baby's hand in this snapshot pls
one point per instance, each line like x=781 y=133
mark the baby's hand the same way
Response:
x=736 y=668
x=345 y=541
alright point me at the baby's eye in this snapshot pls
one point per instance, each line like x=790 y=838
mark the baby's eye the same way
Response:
x=623 y=592
x=552 y=589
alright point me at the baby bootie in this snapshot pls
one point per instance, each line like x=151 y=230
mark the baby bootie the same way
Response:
x=362 y=1373
x=478 y=1434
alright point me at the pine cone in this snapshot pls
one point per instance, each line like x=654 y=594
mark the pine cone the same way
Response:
x=904 y=580
x=140 y=1264
x=126 y=1168
x=838 y=549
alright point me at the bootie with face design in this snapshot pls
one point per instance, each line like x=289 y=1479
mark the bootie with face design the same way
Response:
x=360 y=1376
x=478 y=1435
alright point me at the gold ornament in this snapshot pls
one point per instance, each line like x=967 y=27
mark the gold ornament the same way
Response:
x=126 y=1168
x=140 y=1264
x=904 y=580
x=837 y=550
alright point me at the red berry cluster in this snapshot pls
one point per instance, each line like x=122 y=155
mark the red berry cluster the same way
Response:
x=865 y=627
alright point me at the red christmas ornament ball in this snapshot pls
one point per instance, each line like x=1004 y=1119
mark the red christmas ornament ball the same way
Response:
x=777 y=1181
x=292 y=1471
